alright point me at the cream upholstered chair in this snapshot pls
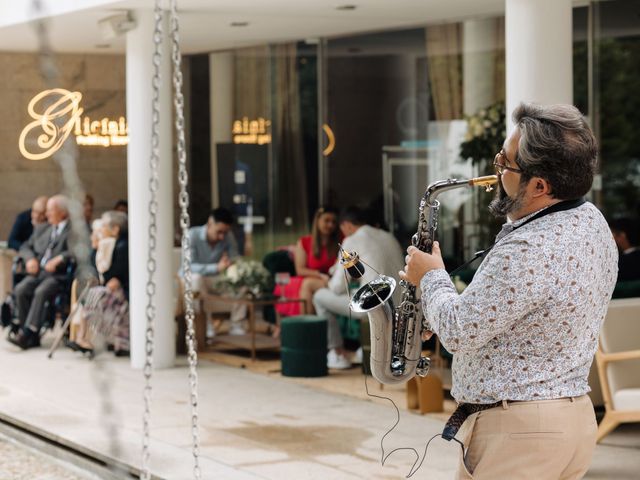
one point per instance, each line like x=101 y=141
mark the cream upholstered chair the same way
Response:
x=618 y=360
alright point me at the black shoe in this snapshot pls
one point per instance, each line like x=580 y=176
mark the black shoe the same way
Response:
x=79 y=348
x=85 y=350
x=25 y=339
x=14 y=327
x=121 y=353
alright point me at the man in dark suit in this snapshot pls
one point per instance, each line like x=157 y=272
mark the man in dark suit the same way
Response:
x=26 y=221
x=625 y=233
x=46 y=257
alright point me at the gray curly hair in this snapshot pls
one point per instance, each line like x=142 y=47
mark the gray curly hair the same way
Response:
x=556 y=144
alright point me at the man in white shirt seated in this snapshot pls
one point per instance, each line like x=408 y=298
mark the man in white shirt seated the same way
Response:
x=381 y=254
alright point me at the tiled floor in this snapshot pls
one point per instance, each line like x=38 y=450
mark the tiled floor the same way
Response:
x=253 y=424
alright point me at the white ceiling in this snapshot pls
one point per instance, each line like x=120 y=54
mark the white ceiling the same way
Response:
x=205 y=24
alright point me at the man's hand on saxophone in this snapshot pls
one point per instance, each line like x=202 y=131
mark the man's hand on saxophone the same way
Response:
x=418 y=263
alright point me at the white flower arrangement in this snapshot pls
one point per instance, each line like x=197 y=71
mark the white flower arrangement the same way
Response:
x=245 y=277
x=485 y=134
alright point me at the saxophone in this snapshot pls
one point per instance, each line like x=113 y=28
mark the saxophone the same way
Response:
x=396 y=332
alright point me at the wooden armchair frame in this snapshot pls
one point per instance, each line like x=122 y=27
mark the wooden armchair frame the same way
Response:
x=612 y=417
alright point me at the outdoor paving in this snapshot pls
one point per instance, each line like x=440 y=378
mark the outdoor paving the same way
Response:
x=252 y=426
x=24 y=463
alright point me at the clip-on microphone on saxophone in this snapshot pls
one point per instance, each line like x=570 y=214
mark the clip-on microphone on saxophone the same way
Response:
x=350 y=261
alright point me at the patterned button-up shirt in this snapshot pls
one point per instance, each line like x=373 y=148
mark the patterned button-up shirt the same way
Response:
x=527 y=326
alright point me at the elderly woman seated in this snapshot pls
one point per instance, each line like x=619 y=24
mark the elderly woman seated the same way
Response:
x=104 y=308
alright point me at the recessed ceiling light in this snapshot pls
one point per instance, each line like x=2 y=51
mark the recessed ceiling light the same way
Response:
x=239 y=24
x=346 y=7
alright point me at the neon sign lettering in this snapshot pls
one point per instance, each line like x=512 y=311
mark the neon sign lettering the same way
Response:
x=56 y=113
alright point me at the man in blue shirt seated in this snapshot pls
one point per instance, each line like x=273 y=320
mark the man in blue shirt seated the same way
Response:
x=213 y=245
x=213 y=250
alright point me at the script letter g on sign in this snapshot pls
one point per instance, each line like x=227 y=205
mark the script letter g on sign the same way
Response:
x=60 y=110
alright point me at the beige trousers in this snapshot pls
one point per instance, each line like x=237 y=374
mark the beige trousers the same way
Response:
x=204 y=285
x=545 y=439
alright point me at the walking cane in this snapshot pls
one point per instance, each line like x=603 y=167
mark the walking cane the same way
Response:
x=56 y=342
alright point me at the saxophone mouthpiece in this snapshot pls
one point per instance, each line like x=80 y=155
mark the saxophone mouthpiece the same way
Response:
x=350 y=261
x=487 y=182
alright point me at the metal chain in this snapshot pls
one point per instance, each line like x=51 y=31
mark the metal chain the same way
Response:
x=150 y=310
x=183 y=199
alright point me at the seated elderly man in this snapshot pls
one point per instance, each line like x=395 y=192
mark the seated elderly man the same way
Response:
x=46 y=256
x=213 y=249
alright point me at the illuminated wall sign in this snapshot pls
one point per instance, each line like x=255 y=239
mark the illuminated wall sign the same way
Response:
x=105 y=132
x=332 y=140
x=56 y=114
x=251 y=131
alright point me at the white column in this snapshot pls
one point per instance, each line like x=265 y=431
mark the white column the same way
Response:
x=221 y=100
x=478 y=63
x=139 y=97
x=538 y=52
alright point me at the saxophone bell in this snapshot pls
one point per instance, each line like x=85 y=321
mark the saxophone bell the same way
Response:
x=373 y=294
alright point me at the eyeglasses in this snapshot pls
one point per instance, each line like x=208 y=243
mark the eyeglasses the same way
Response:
x=501 y=167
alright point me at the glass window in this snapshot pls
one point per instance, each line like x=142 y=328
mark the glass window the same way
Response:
x=397 y=103
x=617 y=104
x=264 y=129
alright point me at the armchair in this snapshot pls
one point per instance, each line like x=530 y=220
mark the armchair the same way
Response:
x=618 y=361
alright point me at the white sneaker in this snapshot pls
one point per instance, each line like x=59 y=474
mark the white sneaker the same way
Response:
x=357 y=357
x=236 y=329
x=211 y=332
x=337 y=361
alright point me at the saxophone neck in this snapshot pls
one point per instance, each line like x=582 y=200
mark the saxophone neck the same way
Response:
x=436 y=188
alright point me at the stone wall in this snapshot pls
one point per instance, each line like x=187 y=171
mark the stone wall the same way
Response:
x=103 y=170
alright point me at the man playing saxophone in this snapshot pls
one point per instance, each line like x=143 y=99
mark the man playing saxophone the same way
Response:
x=524 y=332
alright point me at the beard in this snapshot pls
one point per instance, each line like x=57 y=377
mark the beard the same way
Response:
x=503 y=204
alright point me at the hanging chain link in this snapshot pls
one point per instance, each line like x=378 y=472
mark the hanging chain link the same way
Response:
x=183 y=178
x=154 y=182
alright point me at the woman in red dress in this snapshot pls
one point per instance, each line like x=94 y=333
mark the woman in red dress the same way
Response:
x=314 y=255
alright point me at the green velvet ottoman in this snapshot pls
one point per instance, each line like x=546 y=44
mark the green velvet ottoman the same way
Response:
x=303 y=341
